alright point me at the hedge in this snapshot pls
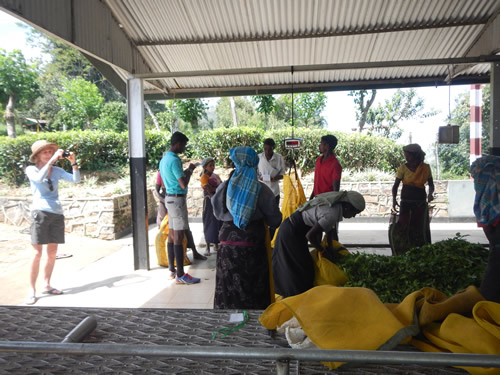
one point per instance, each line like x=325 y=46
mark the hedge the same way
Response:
x=355 y=151
x=101 y=150
x=217 y=143
x=95 y=150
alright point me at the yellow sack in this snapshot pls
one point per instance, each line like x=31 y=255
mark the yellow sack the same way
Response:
x=161 y=240
x=340 y=318
x=293 y=197
x=325 y=271
x=355 y=319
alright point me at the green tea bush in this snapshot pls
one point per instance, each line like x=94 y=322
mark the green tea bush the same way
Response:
x=449 y=266
x=95 y=150
x=156 y=145
x=354 y=151
x=216 y=143
x=99 y=150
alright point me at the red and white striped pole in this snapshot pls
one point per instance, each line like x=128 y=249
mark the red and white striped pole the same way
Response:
x=475 y=122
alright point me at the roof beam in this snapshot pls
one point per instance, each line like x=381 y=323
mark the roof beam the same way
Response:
x=488 y=42
x=316 y=87
x=377 y=29
x=86 y=25
x=320 y=67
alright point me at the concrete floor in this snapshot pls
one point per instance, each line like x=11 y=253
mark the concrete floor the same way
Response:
x=100 y=273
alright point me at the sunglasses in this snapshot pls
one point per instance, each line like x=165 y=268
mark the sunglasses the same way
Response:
x=51 y=187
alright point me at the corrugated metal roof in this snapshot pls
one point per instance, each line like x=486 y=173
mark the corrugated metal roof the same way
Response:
x=244 y=46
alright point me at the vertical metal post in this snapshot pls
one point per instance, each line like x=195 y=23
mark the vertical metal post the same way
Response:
x=495 y=109
x=476 y=124
x=136 y=135
x=282 y=367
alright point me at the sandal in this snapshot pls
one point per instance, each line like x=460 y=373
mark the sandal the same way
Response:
x=54 y=292
x=31 y=300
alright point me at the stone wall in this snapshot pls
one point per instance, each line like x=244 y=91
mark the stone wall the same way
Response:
x=378 y=197
x=104 y=218
x=110 y=218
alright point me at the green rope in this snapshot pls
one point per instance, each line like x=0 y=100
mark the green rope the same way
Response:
x=228 y=330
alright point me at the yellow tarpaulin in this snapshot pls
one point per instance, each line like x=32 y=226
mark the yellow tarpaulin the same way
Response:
x=355 y=319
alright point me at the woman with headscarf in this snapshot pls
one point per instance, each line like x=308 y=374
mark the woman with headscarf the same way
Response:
x=209 y=182
x=412 y=228
x=293 y=267
x=246 y=207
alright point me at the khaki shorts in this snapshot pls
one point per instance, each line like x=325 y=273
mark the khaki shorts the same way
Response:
x=177 y=213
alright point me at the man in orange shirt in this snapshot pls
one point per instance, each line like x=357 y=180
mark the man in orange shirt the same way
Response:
x=328 y=171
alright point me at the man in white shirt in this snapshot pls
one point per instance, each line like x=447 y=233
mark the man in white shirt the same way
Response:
x=271 y=168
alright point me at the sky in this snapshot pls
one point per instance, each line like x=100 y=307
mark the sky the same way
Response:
x=340 y=110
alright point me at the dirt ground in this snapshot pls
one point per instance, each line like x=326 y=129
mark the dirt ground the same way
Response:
x=16 y=254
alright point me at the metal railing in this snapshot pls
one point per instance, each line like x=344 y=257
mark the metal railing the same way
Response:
x=282 y=356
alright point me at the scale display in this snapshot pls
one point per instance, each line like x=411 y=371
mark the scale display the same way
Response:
x=293 y=143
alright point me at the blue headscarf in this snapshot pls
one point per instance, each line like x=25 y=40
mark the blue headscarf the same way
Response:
x=243 y=187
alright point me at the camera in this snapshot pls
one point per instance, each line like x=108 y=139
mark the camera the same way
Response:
x=66 y=153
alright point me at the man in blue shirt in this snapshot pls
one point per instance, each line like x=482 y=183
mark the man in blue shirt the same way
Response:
x=176 y=183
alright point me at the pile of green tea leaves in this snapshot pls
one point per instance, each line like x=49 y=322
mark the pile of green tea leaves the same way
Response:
x=449 y=266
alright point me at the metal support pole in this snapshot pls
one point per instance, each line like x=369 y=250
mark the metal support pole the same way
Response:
x=476 y=124
x=282 y=367
x=311 y=355
x=495 y=109
x=136 y=135
x=82 y=330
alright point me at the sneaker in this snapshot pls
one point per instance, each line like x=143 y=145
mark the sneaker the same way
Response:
x=173 y=275
x=186 y=279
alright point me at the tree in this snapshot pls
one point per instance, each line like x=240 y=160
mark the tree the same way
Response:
x=455 y=158
x=80 y=103
x=307 y=109
x=362 y=108
x=191 y=111
x=245 y=112
x=66 y=61
x=113 y=117
x=385 y=120
x=46 y=106
x=265 y=105
x=17 y=85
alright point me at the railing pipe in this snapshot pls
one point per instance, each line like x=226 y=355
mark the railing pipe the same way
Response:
x=84 y=328
x=283 y=354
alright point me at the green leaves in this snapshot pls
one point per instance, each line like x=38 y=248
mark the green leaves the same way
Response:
x=80 y=103
x=192 y=110
x=217 y=143
x=101 y=149
x=449 y=266
x=355 y=151
x=113 y=117
x=17 y=85
x=17 y=78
